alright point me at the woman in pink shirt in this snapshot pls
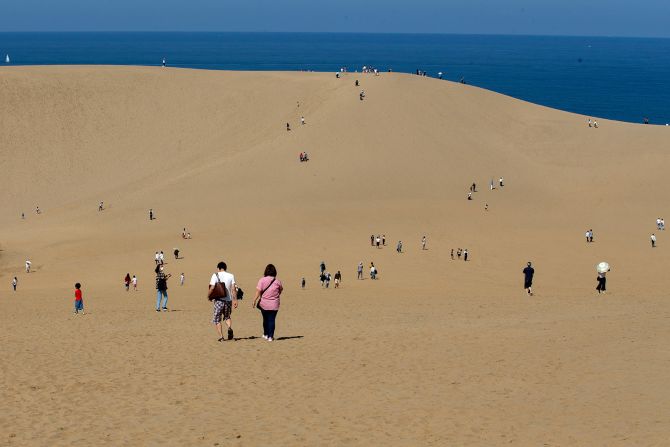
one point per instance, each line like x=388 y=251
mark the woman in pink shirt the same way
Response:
x=268 y=290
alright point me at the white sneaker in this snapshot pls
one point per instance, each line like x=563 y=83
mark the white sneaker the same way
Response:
x=265 y=337
x=269 y=339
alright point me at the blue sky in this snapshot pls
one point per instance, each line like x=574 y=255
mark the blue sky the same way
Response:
x=563 y=17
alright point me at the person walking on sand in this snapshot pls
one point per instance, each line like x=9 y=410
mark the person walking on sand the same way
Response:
x=302 y=120
x=338 y=279
x=78 y=300
x=423 y=243
x=399 y=247
x=528 y=273
x=181 y=279
x=653 y=240
x=591 y=235
x=15 y=282
x=100 y=206
x=161 y=289
x=465 y=254
x=157 y=258
x=151 y=214
x=322 y=266
x=378 y=241
x=161 y=258
x=268 y=291
x=602 y=282
x=452 y=254
x=37 y=210
x=500 y=182
x=459 y=252
x=373 y=271
x=176 y=253
x=288 y=127
x=135 y=283
x=491 y=185
x=384 y=240
x=360 y=270
x=470 y=195
x=372 y=240
x=224 y=301
x=302 y=283
x=126 y=281
x=322 y=278
x=28 y=264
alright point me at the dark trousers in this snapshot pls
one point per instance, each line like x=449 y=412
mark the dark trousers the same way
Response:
x=602 y=284
x=269 y=317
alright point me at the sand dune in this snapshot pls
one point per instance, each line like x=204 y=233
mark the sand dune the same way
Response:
x=437 y=352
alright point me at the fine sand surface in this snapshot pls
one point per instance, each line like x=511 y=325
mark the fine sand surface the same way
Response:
x=436 y=352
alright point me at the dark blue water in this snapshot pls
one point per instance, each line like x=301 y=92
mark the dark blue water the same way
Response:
x=618 y=78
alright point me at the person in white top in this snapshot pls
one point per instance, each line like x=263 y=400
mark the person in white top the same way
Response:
x=28 y=264
x=134 y=280
x=302 y=120
x=158 y=258
x=658 y=223
x=161 y=258
x=653 y=240
x=223 y=306
x=181 y=279
x=501 y=182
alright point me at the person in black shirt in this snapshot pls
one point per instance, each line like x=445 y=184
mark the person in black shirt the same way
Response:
x=528 y=273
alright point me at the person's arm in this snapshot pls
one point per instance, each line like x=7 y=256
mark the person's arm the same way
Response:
x=233 y=292
x=256 y=298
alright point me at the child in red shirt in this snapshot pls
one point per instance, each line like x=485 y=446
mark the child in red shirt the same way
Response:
x=78 y=301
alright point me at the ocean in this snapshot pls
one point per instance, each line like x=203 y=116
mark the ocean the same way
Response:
x=624 y=79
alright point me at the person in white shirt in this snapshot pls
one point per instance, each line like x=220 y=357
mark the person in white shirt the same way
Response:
x=360 y=270
x=653 y=240
x=15 y=281
x=302 y=120
x=28 y=264
x=161 y=258
x=662 y=224
x=134 y=281
x=658 y=223
x=501 y=182
x=223 y=306
x=158 y=258
x=181 y=279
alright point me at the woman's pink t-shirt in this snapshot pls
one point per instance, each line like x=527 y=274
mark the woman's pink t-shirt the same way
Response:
x=270 y=299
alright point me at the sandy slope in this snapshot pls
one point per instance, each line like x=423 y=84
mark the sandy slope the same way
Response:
x=438 y=352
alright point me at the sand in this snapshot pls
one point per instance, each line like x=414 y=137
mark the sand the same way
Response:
x=436 y=352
